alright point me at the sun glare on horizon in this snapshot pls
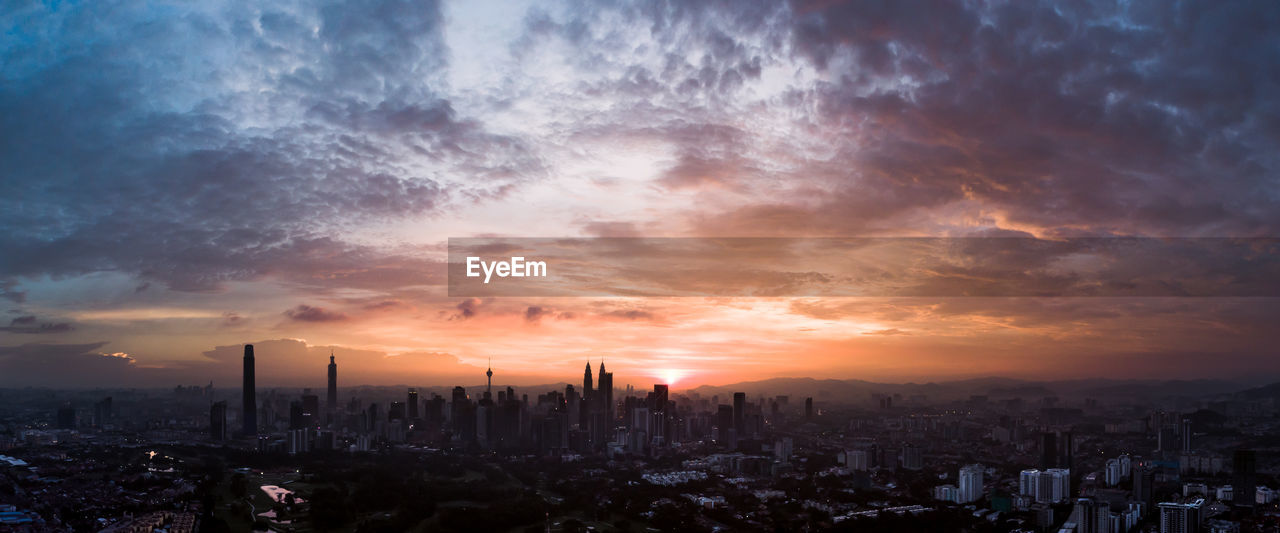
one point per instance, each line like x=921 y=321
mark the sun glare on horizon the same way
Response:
x=671 y=376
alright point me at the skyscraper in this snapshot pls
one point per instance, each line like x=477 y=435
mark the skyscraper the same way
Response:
x=411 y=400
x=249 y=398
x=739 y=412
x=1144 y=478
x=1068 y=451
x=1048 y=451
x=808 y=408
x=1244 y=482
x=588 y=394
x=66 y=417
x=310 y=408
x=606 y=394
x=218 y=421
x=333 y=385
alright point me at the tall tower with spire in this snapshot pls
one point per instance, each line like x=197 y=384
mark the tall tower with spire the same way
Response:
x=489 y=374
x=605 y=384
x=249 y=395
x=588 y=394
x=333 y=385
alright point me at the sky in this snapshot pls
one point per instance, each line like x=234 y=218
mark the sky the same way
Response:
x=178 y=179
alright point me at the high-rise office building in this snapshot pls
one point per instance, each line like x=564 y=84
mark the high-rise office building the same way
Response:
x=1048 y=451
x=411 y=401
x=66 y=417
x=332 y=396
x=662 y=415
x=1186 y=435
x=102 y=412
x=249 y=398
x=1144 y=478
x=739 y=413
x=310 y=407
x=297 y=415
x=1067 y=451
x=725 y=434
x=1244 y=480
x=661 y=397
x=808 y=408
x=218 y=421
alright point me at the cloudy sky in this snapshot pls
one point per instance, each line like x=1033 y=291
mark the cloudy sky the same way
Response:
x=179 y=179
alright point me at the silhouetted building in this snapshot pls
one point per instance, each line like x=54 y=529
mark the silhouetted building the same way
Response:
x=310 y=408
x=605 y=386
x=912 y=458
x=1244 y=480
x=371 y=418
x=1144 y=479
x=1048 y=451
x=588 y=396
x=1067 y=451
x=724 y=426
x=739 y=413
x=412 y=403
x=249 y=399
x=332 y=395
x=66 y=417
x=218 y=421
x=102 y=412
x=808 y=408
x=297 y=415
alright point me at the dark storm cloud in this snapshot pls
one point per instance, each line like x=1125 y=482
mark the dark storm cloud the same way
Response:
x=206 y=146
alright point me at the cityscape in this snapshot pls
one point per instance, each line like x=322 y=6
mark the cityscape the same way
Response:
x=979 y=455
x=640 y=266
